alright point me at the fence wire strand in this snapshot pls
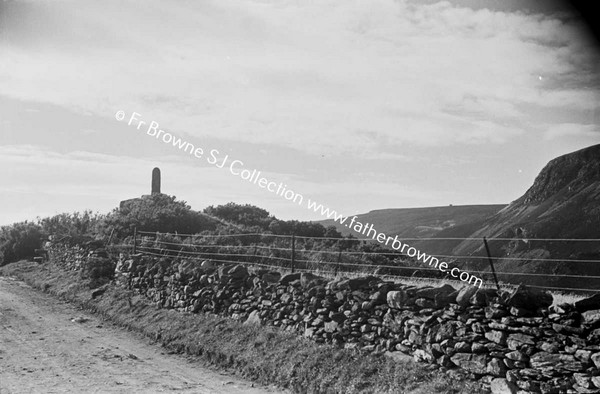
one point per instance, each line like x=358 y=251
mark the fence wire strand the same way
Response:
x=194 y=241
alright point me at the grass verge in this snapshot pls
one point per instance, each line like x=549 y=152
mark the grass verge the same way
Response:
x=260 y=353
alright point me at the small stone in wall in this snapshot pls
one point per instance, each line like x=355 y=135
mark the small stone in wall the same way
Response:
x=529 y=386
x=424 y=303
x=596 y=360
x=498 y=337
x=520 y=312
x=238 y=272
x=287 y=279
x=594 y=336
x=464 y=296
x=253 y=318
x=515 y=341
x=462 y=347
x=308 y=280
x=420 y=355
x=475 y=363
x=533 y=331
x=495 y=312
x=530 y=321
x=446 y=331
x=397 y=299
x=271 y=277
x=445 y=361
x=529 y=298
x=331 y=326
x=588 y=304
x=309 y=332
x=359 y=283
x=549 y=347
x=545 y=362
x=564 y=329
x=498 y=326
x=496 y=367
x=433 y=292
x=583 y=380
x=482 y=297
x=399 y=357
x=516 y=355
x=477 y=347
x=503 y=386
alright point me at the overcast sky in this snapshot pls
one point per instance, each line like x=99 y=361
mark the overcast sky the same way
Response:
x=359 y=105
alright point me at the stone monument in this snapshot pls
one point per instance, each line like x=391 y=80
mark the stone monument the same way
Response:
x=155 y=181
x=154 y=190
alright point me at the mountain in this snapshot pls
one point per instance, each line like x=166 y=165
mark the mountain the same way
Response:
x=423 y=222
x=562 y=203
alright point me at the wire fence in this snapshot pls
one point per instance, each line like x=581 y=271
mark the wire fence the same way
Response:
x=360 y=256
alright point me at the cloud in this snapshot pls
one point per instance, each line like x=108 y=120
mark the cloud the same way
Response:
x=315 y=77
x=43 y=183
x=572 y=131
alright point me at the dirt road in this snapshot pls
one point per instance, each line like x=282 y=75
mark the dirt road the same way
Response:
x=48 y=346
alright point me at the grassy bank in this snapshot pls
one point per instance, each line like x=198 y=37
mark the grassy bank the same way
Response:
x=263 y=354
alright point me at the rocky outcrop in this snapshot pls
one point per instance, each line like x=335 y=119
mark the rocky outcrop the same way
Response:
x=567 y=173
x=562 y=203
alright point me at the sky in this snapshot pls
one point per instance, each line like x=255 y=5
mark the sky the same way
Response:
x=358 y=105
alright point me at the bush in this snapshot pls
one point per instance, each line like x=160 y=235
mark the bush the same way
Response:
x=19 y=241
x=245 y=215
x=303 y=229
x=72 y=229
x=98 y=271
x=157 y=212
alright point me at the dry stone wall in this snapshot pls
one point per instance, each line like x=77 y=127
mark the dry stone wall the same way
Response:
x=514 y=342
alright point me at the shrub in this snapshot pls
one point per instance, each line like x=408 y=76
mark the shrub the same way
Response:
x=157 y=212
x=19 y=241
x=98 y=270
x=72 y=228
x=245 y=215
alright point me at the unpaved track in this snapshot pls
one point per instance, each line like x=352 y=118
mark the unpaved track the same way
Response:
x=43 y=351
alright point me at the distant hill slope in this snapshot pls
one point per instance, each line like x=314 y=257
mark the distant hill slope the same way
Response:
x=563 y=202
x=423 y=222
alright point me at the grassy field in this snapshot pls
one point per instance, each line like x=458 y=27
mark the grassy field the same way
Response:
x=262 y=354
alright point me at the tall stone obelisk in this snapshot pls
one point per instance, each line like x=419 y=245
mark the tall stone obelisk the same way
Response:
x=156 y=181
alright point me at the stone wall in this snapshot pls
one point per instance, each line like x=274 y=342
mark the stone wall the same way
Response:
x=512 y=342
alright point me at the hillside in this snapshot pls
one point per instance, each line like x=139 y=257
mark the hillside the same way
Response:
x=562 y=203
x=424 y=222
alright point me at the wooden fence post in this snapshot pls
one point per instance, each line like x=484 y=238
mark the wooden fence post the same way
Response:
x=134 y=240
x=339 y=259
x=110 y=237
x=293 y=251
x=487 y=249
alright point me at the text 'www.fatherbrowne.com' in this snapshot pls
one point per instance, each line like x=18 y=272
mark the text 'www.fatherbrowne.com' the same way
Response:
x=369 y=231
x=236 y=167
